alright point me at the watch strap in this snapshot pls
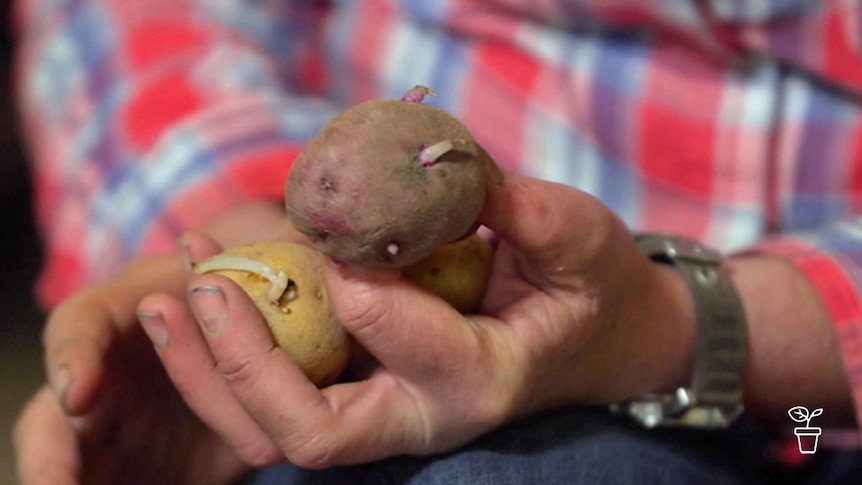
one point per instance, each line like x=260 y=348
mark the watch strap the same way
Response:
x=714 y=397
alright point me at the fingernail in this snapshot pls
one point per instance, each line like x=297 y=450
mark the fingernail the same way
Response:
x=208 y=304
x=154 y=327
x=60 y=382
x=185 y=256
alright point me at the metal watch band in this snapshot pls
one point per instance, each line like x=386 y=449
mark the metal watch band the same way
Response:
x=714 y=398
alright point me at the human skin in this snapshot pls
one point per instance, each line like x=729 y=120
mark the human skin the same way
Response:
x=98 y=423
x=574 y=314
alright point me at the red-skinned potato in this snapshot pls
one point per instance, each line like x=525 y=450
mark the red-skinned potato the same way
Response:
x=387 y=181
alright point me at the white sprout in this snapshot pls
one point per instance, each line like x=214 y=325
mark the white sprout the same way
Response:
x=278 y=280
x=393 y=248
x=429 y=155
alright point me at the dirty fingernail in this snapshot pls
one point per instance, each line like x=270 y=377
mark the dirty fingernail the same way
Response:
x=185 y=256
x=208 y=304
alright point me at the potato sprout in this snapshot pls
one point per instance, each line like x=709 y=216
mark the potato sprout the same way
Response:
x=279 y=287
x=429 y=155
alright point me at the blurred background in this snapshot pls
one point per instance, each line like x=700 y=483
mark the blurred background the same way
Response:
x=20 y=319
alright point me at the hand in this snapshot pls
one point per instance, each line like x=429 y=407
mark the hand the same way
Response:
x=110 y=414
x=567 y=319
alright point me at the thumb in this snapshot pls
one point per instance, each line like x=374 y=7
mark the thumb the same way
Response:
x=407 y=329
x=555 y=229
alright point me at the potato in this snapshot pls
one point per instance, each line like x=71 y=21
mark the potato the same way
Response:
x=387 y=181
x=457 y=272
x=295 y=303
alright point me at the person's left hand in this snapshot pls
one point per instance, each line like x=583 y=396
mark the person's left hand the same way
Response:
x=568 y=318
x=112 y=414
x=108 y=413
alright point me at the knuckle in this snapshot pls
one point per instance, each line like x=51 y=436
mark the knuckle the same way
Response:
x=313 y=447
x=603 y=229
x=258 y=454
x=242 y=372
x=362 y=312
x=542 y=226
x=312 y=456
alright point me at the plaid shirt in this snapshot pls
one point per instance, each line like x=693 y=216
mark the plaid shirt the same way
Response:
x=735 y=122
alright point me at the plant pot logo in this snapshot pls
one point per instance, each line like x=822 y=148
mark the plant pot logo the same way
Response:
x=807 y=436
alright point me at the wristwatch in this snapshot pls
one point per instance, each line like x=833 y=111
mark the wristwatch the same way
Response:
x=714 y=397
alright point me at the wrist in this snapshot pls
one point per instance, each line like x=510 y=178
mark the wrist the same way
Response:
x=677 y=320
x=648 y=345
x=666 y=329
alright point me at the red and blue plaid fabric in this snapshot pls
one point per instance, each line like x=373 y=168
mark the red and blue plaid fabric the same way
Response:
x=735 y=122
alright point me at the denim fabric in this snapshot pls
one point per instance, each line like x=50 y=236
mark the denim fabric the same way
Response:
x=581 y=446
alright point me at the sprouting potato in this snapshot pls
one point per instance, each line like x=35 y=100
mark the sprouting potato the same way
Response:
x=387 y=181
x=285 y=282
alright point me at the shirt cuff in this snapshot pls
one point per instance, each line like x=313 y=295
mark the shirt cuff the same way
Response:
x=834 y=268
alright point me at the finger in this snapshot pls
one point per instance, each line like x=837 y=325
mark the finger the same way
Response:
x=45 y=443
x=195 y=247
x=191 y=367
x=273 y=389
x=388 y=315
x=557 y=229
x=74 y=354
x=436 y=362
x=344 y=423
x=488 y=235
x=80 y=331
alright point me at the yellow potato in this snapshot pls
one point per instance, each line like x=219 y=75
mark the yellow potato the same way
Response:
x=299 y=314
x=457 y=272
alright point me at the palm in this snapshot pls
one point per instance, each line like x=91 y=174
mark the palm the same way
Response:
x=553 y=316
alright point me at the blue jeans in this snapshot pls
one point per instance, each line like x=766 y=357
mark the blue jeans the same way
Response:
x=581 y=446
